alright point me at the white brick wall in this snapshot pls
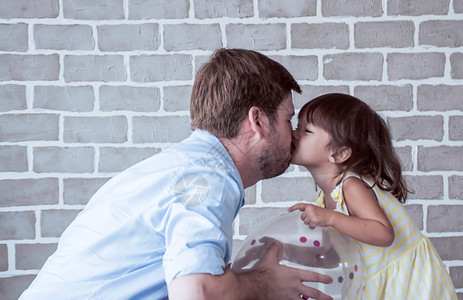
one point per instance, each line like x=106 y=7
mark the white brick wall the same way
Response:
x=88 y=88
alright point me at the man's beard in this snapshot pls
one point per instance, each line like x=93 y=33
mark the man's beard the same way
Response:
x=273 y=160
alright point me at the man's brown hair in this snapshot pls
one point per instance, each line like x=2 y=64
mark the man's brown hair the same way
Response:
x=233 y=81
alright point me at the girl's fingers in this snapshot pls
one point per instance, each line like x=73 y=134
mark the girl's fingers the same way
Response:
x=298 y=206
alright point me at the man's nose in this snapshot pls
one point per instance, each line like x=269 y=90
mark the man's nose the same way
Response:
x=295 y=135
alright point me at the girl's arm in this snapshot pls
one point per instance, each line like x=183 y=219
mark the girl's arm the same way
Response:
x=367 y=222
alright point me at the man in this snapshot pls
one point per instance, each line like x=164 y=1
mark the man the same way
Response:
x=163 y=228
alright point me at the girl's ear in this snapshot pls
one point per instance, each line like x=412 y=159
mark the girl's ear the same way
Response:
x=341 y=155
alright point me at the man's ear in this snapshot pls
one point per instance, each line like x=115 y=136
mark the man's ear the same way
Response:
x=257 y=119
x=341 y=155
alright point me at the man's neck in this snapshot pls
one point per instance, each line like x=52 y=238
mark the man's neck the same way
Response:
x=241 y=154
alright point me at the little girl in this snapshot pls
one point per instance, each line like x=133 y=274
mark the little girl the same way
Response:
x=347 y=148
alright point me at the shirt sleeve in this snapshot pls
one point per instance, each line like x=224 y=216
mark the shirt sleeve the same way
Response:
x=198 y=223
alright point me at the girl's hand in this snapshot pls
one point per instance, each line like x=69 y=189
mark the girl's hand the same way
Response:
x=366 y=222
x=313 y=215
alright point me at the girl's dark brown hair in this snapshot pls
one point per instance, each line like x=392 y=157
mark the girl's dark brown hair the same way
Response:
x=353 y=124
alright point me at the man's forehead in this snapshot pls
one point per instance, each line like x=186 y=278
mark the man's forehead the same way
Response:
x=287 y=105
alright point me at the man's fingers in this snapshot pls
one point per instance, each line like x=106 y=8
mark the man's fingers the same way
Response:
x=311 y=293
x=315 y=277
x=271 y=253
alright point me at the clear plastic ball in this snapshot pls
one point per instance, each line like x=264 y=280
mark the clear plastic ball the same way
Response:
x=320 y=249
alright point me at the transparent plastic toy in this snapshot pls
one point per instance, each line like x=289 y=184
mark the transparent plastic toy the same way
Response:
x=320 y=249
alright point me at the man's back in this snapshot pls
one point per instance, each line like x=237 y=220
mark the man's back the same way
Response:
x=116 y=246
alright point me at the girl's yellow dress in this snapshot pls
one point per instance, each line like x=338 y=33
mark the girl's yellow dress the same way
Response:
x=410 y=268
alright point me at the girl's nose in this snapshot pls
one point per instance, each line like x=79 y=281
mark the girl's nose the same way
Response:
x=295 y=134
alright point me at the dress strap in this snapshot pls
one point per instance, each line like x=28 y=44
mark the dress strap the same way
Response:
x=367 y=179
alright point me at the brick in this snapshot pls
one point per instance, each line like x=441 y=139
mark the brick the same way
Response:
x=3 y=258
x=282 y=189
x=207 y=9
x=356 y=8
x=455 y=126
x=386 y=97
x=416 y=213
x=158 y=9
x=128 y=98
x=417 y=7
x=12 y=97
x=12 y=287
x=95 y=129
x=54 y=222
x=251 y=217
x=286 y=9
x=94 y=68
x=405 y=157
x=33 y=256
x=17 y=225
x=458 y=6
x=93 y=9
x=26 y=9
x=291 y=168
x=301 y=67
x=29 y=127
x=128 y=37
x=449 y=248
x=309 y=92
x=119 y=159
x=178 y=37
x=257 y=37
x=64 y=98
x=353 y=66
x=199 y=61
x=250 y=195
x=456 y=63
x=417 y=128
x=152 y=68
x=13 y=37
x=77 y=191
x=64 y=37
x=441 y=33
x=456 y=187
x=415 y=65
x=160 y=129
x=177 y=98
x=320 y=36
x=64 y=160
x=26 y=192
x=456 y=273
x=29 y=67
x=13 y=159
x=439 y=97
x=445 y=218
x=425 y=187
x=394 y=34
x=450 y=158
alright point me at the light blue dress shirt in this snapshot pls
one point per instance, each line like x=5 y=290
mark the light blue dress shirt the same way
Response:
x=170 y=215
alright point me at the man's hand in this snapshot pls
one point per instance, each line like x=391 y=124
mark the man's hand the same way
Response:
x=281 y=282
x=268 y=280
